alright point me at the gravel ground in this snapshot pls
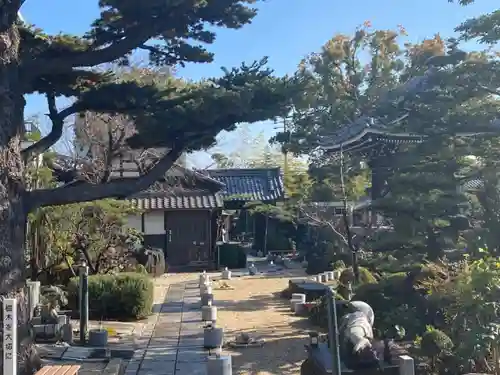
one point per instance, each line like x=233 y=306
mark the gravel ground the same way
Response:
x=252 y=307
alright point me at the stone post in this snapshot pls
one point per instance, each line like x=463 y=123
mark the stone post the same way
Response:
x=33 y=296
x=333 y=332
x=84 y=302
x=9 y=306
x=406 y=365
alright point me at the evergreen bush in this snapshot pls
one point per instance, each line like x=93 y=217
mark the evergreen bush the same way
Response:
x=124 y=296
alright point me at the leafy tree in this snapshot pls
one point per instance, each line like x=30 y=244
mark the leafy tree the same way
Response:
x=182 y=117
x=423 y=203
x=481 y=165
x=340 y=87
x=426 y=204
x=55 y=232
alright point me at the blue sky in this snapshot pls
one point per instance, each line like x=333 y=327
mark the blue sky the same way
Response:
x=284 y=30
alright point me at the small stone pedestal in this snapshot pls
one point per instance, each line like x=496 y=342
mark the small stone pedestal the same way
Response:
x=219 y=365
x=226 y=274
x=297 y=298
x=213 y=337
x=98 y=338
x=209 y=313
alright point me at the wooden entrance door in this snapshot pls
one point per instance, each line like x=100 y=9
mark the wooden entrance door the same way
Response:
x=187 y=236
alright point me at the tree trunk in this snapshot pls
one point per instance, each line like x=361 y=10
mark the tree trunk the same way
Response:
x=12 y=211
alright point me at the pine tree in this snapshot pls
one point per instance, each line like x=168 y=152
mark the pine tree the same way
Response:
x=178 y=115
x=429 y=202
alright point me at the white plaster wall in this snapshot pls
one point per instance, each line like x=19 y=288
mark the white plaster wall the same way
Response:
x=154 y=222
x=134 y=222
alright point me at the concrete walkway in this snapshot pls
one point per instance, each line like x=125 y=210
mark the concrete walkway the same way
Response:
x=175 y=345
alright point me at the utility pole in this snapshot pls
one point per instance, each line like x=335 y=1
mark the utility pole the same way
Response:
x=285 y=150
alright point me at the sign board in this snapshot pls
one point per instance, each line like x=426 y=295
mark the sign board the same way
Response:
x=9 y=336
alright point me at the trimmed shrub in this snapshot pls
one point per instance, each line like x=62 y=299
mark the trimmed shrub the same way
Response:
x=435 y=343
x=366 y=277
x=124 y=296
x=232 y=255
x=402 y=299
x=346 y=258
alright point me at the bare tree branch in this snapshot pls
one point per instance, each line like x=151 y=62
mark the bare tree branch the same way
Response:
x=106 y=135
x=319 y=220
x=119 y=188
x=55 y=134
x=345 y=219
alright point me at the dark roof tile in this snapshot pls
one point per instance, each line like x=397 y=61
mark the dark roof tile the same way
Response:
x=255 y=184
x=193 y=201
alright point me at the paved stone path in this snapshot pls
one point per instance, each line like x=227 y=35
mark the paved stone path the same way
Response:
x=175 y=345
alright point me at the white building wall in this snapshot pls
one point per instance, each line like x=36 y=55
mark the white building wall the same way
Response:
x=154 y=222
x=134 y=222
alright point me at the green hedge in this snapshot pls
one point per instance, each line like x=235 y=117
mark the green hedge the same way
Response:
x=232 y=255
x=123 y=296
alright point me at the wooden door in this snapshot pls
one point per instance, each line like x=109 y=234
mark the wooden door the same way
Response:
x=188 y=238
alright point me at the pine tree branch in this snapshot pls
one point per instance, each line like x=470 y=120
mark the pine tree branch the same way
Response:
x=55 y=134
x=91 y=57
x=119 y=188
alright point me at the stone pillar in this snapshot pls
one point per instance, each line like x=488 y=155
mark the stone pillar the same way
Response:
x=406 y=365
x=33 y=296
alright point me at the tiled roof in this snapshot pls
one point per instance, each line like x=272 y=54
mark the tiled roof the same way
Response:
x=180 y=188
x=188 y=200
x=255 y=184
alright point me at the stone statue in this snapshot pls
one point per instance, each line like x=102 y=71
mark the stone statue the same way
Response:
x=356 y=333
x=49 y=314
